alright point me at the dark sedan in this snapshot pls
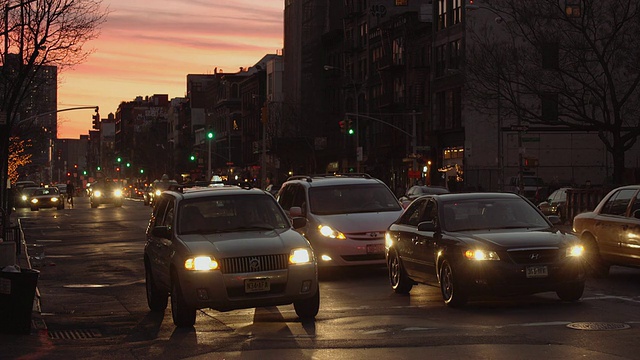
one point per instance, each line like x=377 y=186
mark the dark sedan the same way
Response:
x=476 y=244
x=611 y=231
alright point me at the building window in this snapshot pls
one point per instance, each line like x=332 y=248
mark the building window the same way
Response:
x=442 y=14
x=454 y=54
x=456 y=11
x=550 y=107
x=572 y=8
x=550 y=58
x=398 y=51
x=440 y=60
x=363 y=35
x=402 y=2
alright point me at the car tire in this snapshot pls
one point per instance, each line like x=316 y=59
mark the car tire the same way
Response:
x=595 y=265
x=571 y=292
x=398 y=278
x=156 y=299
x=452 y=291
x=182 y=315
x=308 y=308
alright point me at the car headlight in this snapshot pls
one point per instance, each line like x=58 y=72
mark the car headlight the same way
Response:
x=481 y=255
x=24 y=197
x=158 y=192
x=299 y=256
x=201 y=263
x=34 y=201
x=328 y=231
x=117 y=193
x=388 y=240
x=575 y=251
x=97 y=193
x=54 y=199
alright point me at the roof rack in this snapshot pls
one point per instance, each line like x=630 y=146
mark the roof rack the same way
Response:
x=308 y=178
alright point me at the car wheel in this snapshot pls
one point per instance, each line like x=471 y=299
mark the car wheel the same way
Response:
x=308 y=308
x=571 y=292
x=400 y=282
x=183 y=316
x=156 y=299
x=452 y=292
x=596 y=266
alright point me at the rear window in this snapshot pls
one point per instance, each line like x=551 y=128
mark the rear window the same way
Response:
x=348 y=199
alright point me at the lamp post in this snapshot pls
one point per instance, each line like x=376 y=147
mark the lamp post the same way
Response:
x=357 y=111
x=209 y=141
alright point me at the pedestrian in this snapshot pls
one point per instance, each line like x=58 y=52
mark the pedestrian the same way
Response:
x=70 y=191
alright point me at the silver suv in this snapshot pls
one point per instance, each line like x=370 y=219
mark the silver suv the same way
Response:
x=226 y=247
x=347 y=216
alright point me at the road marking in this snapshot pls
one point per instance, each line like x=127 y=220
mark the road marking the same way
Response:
x=609 y=297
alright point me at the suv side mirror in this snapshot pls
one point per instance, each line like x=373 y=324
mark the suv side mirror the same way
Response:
x=427 y=226
x=295 y=211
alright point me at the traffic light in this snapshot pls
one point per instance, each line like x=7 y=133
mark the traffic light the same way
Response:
x=343 y=126
x=192 y=157
x=84 y=172
x=350 y=130
x=96 y=120
x=118 y=169
x=119 y=159
x=99 y=168
x=141 y=171
x=210 y=135
x=264 y=114
x=128 y=164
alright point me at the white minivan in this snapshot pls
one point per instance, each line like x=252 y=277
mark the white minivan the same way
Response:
x=347 y=216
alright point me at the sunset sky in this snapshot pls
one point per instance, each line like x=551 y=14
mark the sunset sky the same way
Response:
x=148 y=47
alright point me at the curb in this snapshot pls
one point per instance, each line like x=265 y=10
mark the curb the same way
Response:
x=37 y=322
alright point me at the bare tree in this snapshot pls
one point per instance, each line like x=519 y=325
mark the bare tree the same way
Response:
x=572 y=64
x=39 y=33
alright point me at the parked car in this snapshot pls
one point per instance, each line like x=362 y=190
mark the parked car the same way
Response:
x=106 y=192
x=555 y=203
x=347 y=215
x=225 y=248
x=416 y=191
x=476 y=244
x=533 y=187
x=610 y=231
x=46 y=197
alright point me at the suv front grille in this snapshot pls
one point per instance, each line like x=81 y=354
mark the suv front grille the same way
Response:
x=249 y=264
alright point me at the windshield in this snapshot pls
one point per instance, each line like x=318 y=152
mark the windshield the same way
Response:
x=491 y=214
x=208 y=215
x=349 y=199
x=46 y=191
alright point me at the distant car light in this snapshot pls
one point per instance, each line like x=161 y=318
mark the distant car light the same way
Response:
x=575 y=251
x=34 y=201
x=299 y=256
x=54 y=199
x=97 y=193
x=24 y=197
x=117 y=193
x=201 y=263
x=328 y=231
x=158 y=192
x=481 y=255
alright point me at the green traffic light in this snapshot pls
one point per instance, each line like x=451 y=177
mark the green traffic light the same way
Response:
x=192 y=158
x=84 y=172
x=99 y=168
x=119 y=159
x=351 y=132
x=210 y=135
x=141 y=171
x=128 y=164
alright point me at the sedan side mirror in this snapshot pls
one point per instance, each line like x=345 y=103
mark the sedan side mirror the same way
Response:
x=427 y=226
x=161 y=232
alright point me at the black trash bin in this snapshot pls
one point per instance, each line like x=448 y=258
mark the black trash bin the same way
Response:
x=17 y=292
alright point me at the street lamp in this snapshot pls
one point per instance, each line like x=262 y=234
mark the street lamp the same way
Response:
x=357 y=111
x=210 y=139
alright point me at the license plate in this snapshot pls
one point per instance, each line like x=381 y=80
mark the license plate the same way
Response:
x=375 y=249
x=537 y=271
x=256 y=285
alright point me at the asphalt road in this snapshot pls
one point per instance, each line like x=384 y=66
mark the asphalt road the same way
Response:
x=93 y=305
